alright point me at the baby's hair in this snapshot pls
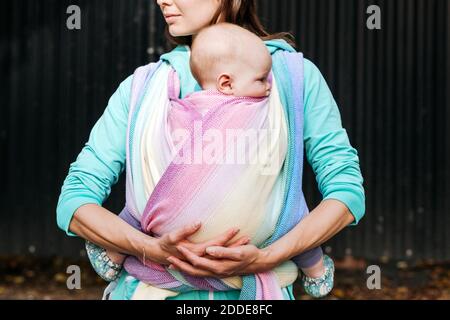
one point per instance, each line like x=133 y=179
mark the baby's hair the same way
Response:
x=217 y=44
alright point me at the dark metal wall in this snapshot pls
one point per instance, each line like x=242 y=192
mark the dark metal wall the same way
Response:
x=392 y=87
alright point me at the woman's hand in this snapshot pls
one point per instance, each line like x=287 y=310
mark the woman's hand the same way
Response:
x=327 y=219
x=168 y=245
x=224 y=262
x=102 y=227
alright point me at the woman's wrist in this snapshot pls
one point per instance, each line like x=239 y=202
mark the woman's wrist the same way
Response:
x=329 y=217
x=282 y=250
x=143 y=246
x=271 y=256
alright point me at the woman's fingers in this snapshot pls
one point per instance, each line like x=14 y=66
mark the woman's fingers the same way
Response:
x=199 y=248
x=234 y=253
x=182 y=233
x=179 y=237
x=222 y=239
x=187 y=268
x=240 y=242
x=197 y=262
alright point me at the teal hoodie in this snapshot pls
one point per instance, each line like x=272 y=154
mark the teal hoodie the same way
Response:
x=334 y=161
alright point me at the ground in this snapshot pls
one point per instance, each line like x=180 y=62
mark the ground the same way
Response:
x=45 y=279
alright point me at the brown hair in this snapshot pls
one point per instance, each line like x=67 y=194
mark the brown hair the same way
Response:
x=240 y=12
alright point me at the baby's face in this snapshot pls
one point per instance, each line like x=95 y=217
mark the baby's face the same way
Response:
x=250 y=76
x=252 y=82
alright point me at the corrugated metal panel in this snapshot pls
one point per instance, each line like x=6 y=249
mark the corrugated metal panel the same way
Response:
x=57 y=85
x=392 y=87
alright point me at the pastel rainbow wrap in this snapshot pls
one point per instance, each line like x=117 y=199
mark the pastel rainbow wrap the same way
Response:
x=223 y=160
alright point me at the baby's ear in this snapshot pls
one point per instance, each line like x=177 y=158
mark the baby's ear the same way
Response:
x=225 y=84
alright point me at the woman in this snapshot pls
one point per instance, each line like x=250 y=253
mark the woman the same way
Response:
x=100 y=163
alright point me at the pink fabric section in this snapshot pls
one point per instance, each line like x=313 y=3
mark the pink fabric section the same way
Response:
x=181 y=182
x=267 y=287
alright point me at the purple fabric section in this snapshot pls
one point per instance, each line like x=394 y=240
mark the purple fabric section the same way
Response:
x=159 y=277
x=207 y=283
x=128 y=218
x=300 y=208
x=308 y=258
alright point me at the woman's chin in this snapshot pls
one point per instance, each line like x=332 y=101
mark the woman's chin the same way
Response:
x=176 y=32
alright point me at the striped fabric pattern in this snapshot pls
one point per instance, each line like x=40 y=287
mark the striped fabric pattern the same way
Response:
x=166 y=192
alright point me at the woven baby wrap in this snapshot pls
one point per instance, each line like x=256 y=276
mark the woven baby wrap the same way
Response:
x=174 y=177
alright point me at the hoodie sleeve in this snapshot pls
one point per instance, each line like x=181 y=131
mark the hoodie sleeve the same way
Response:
x=101 y=161
x=328 y=150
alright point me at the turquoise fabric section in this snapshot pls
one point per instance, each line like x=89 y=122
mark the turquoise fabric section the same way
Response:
x=126 y=286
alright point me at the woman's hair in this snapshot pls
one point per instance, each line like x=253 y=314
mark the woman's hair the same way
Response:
x=242 y=13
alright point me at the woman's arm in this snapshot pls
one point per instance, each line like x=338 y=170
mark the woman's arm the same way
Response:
x=325 y=221
x=334 y=161
x=100 y=162
x=104 y=228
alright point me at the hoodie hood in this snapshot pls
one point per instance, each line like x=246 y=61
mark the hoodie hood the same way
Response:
x=178 y=58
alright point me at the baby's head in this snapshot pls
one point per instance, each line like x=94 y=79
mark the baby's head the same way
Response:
x=232 y=60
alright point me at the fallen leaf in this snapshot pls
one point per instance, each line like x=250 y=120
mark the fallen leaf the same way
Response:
x=60 y=278
x=338 y=293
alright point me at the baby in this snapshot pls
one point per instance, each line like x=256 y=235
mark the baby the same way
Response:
x=234 y=61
